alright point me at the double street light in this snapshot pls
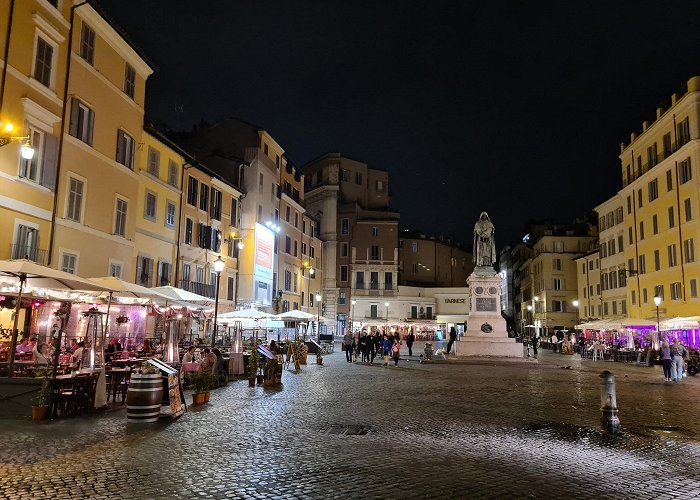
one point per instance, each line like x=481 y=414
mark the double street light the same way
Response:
x=318 y=302
x=219 y=265
x=352 y=314
x=657 y=303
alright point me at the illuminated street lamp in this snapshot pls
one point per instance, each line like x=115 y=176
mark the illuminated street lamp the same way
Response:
x=318 y=301
x=352 y=314
x=657 y=303
x=575 y=303
x=219 y=265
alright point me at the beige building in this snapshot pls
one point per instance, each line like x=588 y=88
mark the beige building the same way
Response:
x=590 y=300
x=359 y=231
x=661 y=202
x=612 y=272
x=433 y=262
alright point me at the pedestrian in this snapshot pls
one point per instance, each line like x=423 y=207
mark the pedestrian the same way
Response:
x=371 y=347
x=386 y=349
x=678 y=366
x=453 y=337
x=396 y=351
x=535 y=341
x=666 y=357
x=347 y=346
x=582 y=346
x=409 y=342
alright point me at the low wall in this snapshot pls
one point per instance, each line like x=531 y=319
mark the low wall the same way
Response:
x=17 y=395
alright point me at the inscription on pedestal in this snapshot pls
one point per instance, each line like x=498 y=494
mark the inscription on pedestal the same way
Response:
x=485 y=304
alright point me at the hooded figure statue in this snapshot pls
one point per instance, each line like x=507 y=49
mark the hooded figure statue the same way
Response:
x=484 y=251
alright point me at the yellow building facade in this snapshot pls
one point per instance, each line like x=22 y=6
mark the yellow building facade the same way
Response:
x=661 y=203
x=33 y=47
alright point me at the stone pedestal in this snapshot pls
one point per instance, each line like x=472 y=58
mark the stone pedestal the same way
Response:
x=486 y=333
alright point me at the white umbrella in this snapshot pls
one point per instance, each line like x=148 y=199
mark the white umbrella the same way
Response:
x=295 y=315
x=245 y=314
x=24 y=272
x=124 y=289
x=183 y=295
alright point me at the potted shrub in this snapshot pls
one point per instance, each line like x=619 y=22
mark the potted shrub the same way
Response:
x=203 y=382
x=253 y=361
x=43 y=400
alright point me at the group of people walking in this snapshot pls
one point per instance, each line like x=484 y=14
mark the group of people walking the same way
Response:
x=673 y=357
x=366 y=346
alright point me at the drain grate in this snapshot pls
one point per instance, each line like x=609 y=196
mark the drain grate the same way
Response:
x=346 y=430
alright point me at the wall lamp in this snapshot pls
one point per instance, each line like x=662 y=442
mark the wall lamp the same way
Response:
x=6 y=137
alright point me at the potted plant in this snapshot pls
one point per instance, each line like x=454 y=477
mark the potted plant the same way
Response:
x=319 y=356
x=43 y=400
x=203 y=382
x=253 y=361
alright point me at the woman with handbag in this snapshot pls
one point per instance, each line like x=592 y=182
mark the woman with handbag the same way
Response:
x=396 y=351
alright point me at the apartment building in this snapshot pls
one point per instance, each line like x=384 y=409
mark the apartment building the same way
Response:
x=590 y=299
x=612 y=272
x=359 y=231
x=33 y=45
x=431 y=261
x=661 y=202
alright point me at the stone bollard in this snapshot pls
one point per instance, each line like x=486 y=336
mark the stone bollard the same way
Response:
x=608 y=403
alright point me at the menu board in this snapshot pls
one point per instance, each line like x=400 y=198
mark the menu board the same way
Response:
x=176 y=407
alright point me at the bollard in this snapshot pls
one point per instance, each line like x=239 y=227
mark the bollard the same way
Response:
x=608 y=403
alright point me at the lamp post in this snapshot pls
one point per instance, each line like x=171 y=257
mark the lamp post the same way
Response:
x=318 y=301
x=575 y=303
x=529 y=317
x=386 y=319
x=657 y=303
x=218 y=267
x=352 y=314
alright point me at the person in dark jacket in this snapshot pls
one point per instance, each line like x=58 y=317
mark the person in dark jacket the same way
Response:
x=386 y=349
x=409 y=342
x=370 y=347
x=453 y=337
x=347 y=346
x=221 y=367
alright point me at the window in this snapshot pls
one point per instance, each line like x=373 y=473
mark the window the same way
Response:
x=204 y=197
x=653 y=190
x=296 y=248
x=311 y=299
x=303 y=248
x=671 y=218
x=120 y=218
x=43 y=62
x=164 y=269
x=87 y=44
x=651 y=155
x=344 y=175
x=414 y=247
x=144 y=271
x=170 y=214
x=188 y=231
x=74 y=210
x=639 y=198
x=192 y=189
x=234 y=212
x=343 y=249
x=287 y=280
x=125 y=149
x=380 y=186
x=358 y=178
x=82 y=120
x=667 y=145
x=694 y=288
x=641 y=231
x=654 y=224
x=629 y=205
x=149 y=210
x=669 y=180
x=645 y=297
x=657 y=260
x=288 y=244
x=360 y=280
x=619 y=243
x=186 y=273
x=684 y=171
x=558 y=306
x=153 y=161
x=215 y=209
x=375 y=231
x=642 y=264
x=26 y=243
x=672 y=256
x=343 y=273
x=683 y=129
x=558 y=284
x=172 y=173
x=559 y=246
x=676 y=291
x=129 y=81
x=69 y=263
x=312 y=251
x=688 y=251
x=344 y=226
x=115 y=269
x=41 y=169
x=374 y=253
x=688 y=209
x=230 y=286
x=341 y=298
x=634 y=297
x=388 y=280
x=287 y=214
x=261 y=186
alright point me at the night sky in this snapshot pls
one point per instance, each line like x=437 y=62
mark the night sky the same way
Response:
x=517 y=108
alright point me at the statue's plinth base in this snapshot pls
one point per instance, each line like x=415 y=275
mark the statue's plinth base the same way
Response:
x=486 y=333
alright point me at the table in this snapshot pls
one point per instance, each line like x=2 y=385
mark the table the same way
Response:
x=118 y=377
x=190 y=367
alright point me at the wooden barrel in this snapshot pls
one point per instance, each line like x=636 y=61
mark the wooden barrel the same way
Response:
x=144 y=397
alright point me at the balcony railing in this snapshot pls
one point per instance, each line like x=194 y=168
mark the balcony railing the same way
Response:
x=33 y=254
x=199 y=288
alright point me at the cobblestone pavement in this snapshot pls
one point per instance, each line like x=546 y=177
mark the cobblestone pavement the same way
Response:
x=456 y=429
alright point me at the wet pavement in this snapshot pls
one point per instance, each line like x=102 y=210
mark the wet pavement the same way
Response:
x=454 y=429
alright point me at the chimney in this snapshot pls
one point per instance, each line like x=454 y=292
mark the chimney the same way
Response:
x=645 y=125
x=659 y=112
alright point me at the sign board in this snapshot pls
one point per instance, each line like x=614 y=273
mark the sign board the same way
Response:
x=264 y=252
x=266 y=352
x=485 y=303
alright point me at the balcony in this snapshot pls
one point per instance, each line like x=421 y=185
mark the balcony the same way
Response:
x=199 y=288
x=374 y=289
x=33 y=254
